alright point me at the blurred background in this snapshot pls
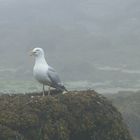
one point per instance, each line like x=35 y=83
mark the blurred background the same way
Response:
x=93 y=44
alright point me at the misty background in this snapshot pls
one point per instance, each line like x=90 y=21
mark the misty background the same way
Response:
x=92 y=44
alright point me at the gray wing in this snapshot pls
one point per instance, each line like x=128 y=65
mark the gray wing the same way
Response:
x=54 y=78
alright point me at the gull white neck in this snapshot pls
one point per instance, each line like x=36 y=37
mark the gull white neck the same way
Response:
x=40 y=60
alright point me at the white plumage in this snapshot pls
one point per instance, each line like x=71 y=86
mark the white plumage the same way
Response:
x=45 y=74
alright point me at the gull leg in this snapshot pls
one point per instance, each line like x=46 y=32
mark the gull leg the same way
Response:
x=49 y=90
x=43 y=90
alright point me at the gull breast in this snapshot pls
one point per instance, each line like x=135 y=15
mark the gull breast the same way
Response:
x=40 y=74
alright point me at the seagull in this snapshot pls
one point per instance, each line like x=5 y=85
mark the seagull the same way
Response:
x=45 y=74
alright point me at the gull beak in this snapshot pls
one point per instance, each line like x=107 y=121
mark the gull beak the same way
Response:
x=31 y=53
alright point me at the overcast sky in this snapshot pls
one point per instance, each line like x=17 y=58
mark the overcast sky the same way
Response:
x=78 y=36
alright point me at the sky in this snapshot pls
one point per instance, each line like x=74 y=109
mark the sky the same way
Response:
x=94 y=40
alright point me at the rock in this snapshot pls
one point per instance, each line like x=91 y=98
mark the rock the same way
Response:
x=85 y=115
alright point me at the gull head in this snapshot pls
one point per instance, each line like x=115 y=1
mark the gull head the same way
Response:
x=37 y=52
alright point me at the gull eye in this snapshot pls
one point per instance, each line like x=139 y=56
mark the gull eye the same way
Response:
x=35 y=52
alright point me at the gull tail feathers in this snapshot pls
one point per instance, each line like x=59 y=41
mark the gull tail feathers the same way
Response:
x=62 y=88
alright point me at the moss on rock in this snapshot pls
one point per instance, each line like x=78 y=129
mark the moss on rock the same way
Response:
x=78 y=115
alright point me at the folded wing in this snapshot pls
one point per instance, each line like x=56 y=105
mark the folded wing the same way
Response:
x=55 y=80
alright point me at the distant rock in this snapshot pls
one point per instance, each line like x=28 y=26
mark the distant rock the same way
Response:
x=128 y=103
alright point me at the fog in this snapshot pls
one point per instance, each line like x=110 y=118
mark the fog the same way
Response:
x=95 y=42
